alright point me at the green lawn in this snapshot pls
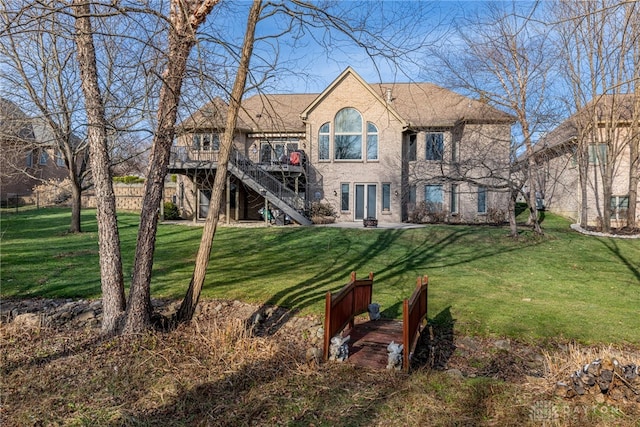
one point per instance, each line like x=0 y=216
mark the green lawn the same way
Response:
x=562 y=285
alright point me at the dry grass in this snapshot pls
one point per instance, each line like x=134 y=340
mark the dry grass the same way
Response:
x=216 y=372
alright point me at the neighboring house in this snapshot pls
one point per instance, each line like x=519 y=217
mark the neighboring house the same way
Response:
x=606 y=154
x=378 y=151
x=28 y=154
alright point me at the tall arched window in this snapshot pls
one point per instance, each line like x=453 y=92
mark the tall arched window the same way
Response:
x=323 y=142
x=348 y=135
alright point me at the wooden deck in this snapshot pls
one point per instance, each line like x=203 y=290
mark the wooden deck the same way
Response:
x=369 y=341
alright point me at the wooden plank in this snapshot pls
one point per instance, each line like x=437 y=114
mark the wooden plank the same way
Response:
x=369 y=341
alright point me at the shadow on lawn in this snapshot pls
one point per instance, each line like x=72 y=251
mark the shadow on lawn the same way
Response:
x=612 y=245
x=426 y=254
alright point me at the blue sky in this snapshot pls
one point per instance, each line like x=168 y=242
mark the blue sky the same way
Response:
x=309 y=67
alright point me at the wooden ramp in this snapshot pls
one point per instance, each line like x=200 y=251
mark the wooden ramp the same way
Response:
x=369 y=341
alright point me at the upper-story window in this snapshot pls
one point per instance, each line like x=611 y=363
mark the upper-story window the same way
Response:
x=372 y=141
x=43 y=157
x=323 y=142
x=59 y=158
x=206 y=141
x=277 y=151
x=434 y=146
x=348 y=135
x=412 y=148
x=597 y=154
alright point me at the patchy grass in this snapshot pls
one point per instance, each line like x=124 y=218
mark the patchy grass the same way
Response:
x=561 y=285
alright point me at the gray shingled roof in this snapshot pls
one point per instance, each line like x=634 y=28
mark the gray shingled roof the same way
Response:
x=429 y=105
x=276 y=113
x=419 y=104
x=618 y=108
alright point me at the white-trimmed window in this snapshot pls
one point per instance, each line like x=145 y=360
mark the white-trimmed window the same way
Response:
x=323 y=141
x=30 y=159
x=619 y=207
x=347 y=139
x=433 y=197
x=277 y=151
x=386 y=196
x=344 y=196
x=372 y=141
x=482 y=200
x=412 y=148
x=412 y=195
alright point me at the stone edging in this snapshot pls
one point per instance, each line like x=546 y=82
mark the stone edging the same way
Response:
x=576 y=227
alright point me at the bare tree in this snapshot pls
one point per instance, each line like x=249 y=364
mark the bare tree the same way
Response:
x=598 y=41
x=184 y=19
x=504 y=61
x=36 y=54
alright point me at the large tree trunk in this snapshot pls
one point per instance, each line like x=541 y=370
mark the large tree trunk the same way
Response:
x=188 y=306
x=113 y=301
x=184 y=23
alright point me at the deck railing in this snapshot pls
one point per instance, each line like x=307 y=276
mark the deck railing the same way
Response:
x=267 y=180
x=414 y=312
x=341 y=308
x=181 y=156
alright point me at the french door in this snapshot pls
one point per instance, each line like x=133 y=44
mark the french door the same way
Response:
x=365 y=201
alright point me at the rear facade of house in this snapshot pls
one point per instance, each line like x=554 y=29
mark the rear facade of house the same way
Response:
x=390 y=152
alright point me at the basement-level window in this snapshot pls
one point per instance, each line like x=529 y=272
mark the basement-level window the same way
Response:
x=619 y=206
x=386 y=196
x=433 y=197
x=482 y=200
x=344 y=196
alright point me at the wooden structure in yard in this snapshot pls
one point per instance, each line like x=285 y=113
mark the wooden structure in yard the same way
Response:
x=369 y=339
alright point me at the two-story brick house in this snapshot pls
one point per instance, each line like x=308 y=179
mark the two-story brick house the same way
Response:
x=369 y=150
x=603 y=131
x=28 y=155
